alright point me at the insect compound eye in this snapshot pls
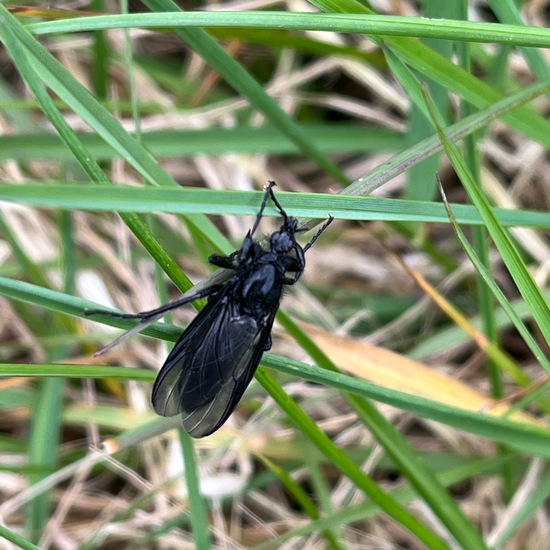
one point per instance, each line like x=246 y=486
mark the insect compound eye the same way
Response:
x=291 y=225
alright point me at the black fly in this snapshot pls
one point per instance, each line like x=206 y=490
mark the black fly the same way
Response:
x=214 y=360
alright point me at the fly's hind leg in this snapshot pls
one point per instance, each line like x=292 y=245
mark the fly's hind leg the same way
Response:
x=161 y=311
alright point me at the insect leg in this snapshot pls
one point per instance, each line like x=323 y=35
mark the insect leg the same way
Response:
x=268 y=193
x=269 y=190
x=249 y=246
x=318 y=234
x=160 y=311
x=227 y=262
x=147 y=318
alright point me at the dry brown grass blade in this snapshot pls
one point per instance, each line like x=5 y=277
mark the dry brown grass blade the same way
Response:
x=492 y=350
x=394 y=371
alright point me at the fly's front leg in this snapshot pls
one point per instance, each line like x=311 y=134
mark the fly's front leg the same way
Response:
x=268 y=193
x=276 y=201
x=294 y=265
x=227 y=262
x=292 y=280
x=250 y=248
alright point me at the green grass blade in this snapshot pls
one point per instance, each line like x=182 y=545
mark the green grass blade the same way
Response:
x=510 y=255
x=129 y=199
x=342 y=461
x=209 y=141
x=421 y=477
x=497 y=292
x=198 y=509
x=242 y=81
x=453 y=78
x=523 y=437
x=432 y=145
x=525 y=506
x=363 y=21
x=16 y=538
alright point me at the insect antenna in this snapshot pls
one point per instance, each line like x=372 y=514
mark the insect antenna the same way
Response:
x=269 y=191
x=318 y=234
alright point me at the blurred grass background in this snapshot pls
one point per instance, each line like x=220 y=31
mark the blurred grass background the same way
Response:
x=404 y=403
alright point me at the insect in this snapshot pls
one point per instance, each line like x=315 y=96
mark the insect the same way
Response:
x=214 y=360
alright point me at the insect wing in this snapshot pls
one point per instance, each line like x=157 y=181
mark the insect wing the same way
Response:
x=210 y=366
